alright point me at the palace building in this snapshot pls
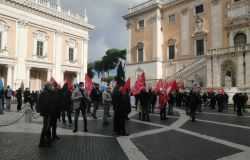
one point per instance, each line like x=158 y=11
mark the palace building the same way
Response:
x=203 y=43
x=40 y=40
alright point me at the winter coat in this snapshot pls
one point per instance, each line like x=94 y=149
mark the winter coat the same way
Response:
x=143 y=97
x=106 y=98
x=48 y=103
x=77 y=98
x=27 y=96
x=162 y=101
x=66 y=98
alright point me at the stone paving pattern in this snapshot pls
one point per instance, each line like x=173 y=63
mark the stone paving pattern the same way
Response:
x=177 y=145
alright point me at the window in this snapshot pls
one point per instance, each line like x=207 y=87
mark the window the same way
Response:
x=171 y=18
x=240 y=38
x=1 y=37
x=236 y=0
x=141 y=24
x=171 y=52
x=71 y=54
x=140 y=55
x=200 y=47
x=199 y=9
x=39 y=48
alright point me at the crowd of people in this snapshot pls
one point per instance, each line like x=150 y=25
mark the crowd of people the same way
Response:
x=55 y=103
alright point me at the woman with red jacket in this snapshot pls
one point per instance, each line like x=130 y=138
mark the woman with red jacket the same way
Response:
x=163 y=104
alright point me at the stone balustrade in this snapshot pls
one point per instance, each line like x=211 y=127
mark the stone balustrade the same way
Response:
x=54 y=7
x=243 y=11
x=229 y=50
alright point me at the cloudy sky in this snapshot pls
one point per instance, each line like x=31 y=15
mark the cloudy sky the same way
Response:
x=106 y=16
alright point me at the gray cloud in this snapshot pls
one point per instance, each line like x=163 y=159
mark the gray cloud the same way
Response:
x=106 y=16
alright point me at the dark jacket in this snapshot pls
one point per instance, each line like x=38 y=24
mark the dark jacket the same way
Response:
x=66 y=98
x=143 y=97
x=48 y=102
x=118 y=101
x=19 y=95
x=95 y=95
x=27 y=96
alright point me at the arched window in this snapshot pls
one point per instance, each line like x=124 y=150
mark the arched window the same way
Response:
x=240 y=38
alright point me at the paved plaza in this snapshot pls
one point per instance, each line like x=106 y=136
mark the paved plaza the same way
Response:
x=214 y=135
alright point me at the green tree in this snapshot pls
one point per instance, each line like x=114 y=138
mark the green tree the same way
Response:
x=22 y=87
x=99 y=68
x=90 y=72
x=120 y=75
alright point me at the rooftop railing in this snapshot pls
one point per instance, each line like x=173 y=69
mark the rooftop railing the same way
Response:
x=51 y=6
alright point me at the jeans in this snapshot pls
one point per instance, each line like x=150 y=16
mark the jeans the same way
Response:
x=96 y=106
x=8 y=105
x=46 y=129
x=77 y=113
x=1 y=106
x=68 y=114
x=105 y=112
x=19 y=105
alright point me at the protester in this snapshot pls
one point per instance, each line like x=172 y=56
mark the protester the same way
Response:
x=8 y=95
x=1 y=99
x=245 y=101
x=204 y=99
x=66 y=104
x=220 y=101
x=235 y=97
x=95 y=97
x=162 y=105
x=194 y=102
x=79 y=98
x=240 y=103
x=127 y=103
x=47 y=108
x=19 y=99
x=143 y=98
x=170 y=103
x=152 y=100
x=119 y=112
x=106 y=102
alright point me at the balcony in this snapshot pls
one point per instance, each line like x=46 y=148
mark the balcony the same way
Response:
x=241 y=12
x=229 y=50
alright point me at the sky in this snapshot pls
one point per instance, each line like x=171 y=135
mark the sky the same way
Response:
x=110 y=28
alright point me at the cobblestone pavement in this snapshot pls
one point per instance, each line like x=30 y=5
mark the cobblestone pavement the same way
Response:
x=214 y=135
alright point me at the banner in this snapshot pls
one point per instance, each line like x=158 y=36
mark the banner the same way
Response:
x=173 y=86
x=139 y=84
x=126 y=85
x=71 y=88
x=88 y=84
x=158 y=86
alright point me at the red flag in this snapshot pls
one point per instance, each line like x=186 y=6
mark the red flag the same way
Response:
x=116 y=84
x=167 y=85
x=222 y=91
x=180 y=85
x=53 y=81
x=139 y=84
x=173 y=86
x=88 y=84
x=158 y=86
x=126 y=85
x=70 y=87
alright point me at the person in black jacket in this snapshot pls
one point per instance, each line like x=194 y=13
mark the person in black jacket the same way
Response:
x=120 y=108
x=143 y=97
x=235 y=97
x=47 y=105
x=170 y=103
x=240 y=103
x=19 y=99
x=220 y=101
x=152 y=100
x=194 y=102
x=66 y=103
x=127 y=103
x=95 y=97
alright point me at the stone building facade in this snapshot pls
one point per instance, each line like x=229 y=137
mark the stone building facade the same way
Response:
x=201 y=42
x=40 y=40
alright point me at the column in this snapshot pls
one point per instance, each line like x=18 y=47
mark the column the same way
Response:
x=216 y=76
x=49 y=74
x=157 y=36
x=9 y=75
x=185 y=32
x=85 y=58
x=209 y=72
x=57 y=56
x=28 y=76
x=21 y=52
x=78 y=74
x=216 y=24
x=247 y=59
x=128 y=56
x=37 y=81
x=62 y=77
x=240 y=72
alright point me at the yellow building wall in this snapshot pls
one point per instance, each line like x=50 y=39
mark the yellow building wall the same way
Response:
x=30 y=48
x=51 y=42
